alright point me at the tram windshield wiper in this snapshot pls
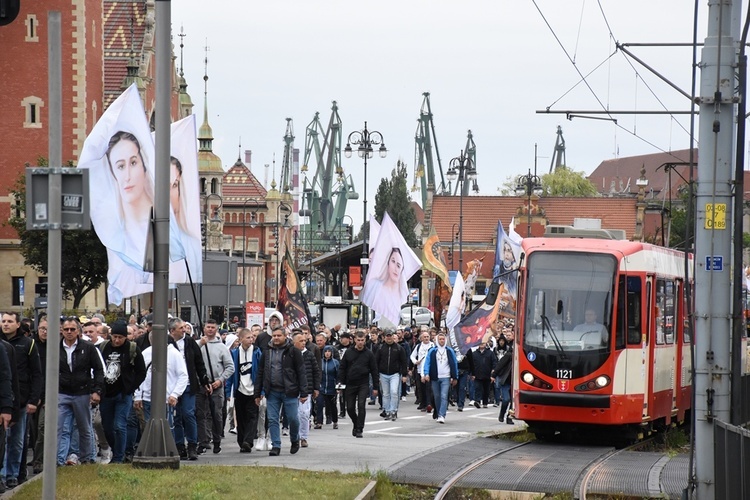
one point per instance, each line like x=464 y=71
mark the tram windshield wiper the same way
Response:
x=547 y=327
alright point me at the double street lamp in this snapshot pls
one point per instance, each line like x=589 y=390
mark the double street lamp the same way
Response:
x=461 y=169
x=526 y=185
x=365 y=140
x=205 y=234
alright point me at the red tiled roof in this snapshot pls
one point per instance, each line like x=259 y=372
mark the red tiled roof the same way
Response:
x=239 y=184
x=619 y=175
x=118 y=42
x=481 y=213
x=418 y=212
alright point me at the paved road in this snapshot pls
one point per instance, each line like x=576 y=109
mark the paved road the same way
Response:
x=385 y=445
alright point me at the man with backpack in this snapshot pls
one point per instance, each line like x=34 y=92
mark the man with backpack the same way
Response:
x=125 y=370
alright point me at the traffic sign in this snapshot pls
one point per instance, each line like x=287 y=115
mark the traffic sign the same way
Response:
x=714 y=263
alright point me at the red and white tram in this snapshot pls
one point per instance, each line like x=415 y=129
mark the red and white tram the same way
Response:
x=630 y=365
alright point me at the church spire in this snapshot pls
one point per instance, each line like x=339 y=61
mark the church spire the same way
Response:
x=205 y=134
x=186 y=103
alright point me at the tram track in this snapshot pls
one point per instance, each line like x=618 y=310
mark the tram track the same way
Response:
x=455 y=478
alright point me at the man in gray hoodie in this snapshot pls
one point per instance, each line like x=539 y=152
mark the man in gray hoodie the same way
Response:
x=209 y=403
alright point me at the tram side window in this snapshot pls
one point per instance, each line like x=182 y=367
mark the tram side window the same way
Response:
x=634 y=310
x=687 y=334
x=664 y=314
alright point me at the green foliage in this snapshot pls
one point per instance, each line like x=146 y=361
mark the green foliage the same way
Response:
x=566 y=182
x=563 y=182
x=84 y=258
x=393 y=196
x=678 y=221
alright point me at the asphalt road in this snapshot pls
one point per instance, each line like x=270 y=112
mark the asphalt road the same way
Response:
x=385 y=444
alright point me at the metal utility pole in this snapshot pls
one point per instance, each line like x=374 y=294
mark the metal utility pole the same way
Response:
x=713 y=244
x=157 y=448
x=54 y=249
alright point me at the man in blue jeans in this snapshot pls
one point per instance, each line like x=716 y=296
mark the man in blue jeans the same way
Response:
x=185 y=422
x=392 y=366
x=81 y=385
x=283 y=381
x=30 y=385
x=124 y=372
x=441 y=370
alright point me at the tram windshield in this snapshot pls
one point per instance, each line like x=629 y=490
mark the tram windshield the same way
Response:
x=569 y=302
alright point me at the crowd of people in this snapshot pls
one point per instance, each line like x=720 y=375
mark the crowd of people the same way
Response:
x=268 y=383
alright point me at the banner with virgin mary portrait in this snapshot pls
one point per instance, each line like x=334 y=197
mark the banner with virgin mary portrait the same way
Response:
x=119 y=153
x=392 y=263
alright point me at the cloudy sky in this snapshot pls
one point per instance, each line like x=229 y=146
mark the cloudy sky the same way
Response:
x=489 y=66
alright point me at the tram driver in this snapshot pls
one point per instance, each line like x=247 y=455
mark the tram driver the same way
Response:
x=590 y=327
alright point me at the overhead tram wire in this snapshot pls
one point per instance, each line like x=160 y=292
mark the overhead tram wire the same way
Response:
x=578 y=35
x=593 y=93
x=617 y=45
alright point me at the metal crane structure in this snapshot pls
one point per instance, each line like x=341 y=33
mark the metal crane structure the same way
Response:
x=287 y=161
x=424 y=164
x=326 y=195
x=558 y=155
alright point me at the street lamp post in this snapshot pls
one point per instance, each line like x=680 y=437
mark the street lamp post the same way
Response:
x=310 y=226
x=454 y=236
x=336 y=247
x=206 y=219
x=365 y=140
x=462 y=169
x=526 y=185
x=350 y=228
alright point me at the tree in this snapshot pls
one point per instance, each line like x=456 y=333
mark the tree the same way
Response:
x=563 y=182
x=393 y=197
x=83 y=257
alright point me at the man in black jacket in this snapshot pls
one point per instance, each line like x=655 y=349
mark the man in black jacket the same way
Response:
x=8 y=394
x=392 y=365
x=81 y=385
x=124 y=373
x=30 y=388
x=185 y=423
x=282 y=379
x=37 y=421
x=357 y=366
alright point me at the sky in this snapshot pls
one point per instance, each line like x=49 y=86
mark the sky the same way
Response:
x=489 y=65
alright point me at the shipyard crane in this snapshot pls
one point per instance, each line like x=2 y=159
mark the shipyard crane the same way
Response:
x=286 y=164
x=558 y=155
x=424 y=164
x=326 y=195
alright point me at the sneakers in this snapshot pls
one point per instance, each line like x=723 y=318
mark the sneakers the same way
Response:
x=403 y=398
x=509 y=421
x=217 y=447
x=484 y=406
x=11 y=482
x=335 y=425
x=192 y=451
x=371 y=402
x=384 y=414
x=441 y=420
x=246 y=448
x=303 y=443
x=106 y=456
x=232 y=431
x=358 y=434
x=318 y=426
x=460 y=408
x=72 y=460
x=285 y=431
x=342 y=414
x=477 y=405
x=428 y=409
x=182 y=451
x=295 y=447
x=394 y=416
x=274 y=452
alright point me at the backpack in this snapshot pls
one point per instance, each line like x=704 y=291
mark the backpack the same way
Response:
x=133 y=350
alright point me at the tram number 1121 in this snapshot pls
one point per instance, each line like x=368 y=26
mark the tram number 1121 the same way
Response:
x=564 y=373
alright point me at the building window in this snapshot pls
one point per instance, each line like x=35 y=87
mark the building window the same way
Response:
x=32 y=28
x=18 y=290
x=203 y=185
x=17 y=209
x=214 y=185
x=33 y=112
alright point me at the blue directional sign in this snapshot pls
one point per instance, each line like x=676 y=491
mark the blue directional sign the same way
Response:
x=714 y=263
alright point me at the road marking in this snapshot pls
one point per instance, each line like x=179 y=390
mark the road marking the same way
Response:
x=384 y=432
x=482 y=415
x=376 y=422
x=412 y=418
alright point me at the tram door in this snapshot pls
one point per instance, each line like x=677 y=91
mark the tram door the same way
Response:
x=647 y=366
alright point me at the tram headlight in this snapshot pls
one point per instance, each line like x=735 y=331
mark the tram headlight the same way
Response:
x=602 y=381
x=528 y=378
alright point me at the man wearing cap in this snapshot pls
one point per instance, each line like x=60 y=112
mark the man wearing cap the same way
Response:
x=345 y=342
x=124 y=371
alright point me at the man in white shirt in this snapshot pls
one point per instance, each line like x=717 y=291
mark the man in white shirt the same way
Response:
x=417 y=358
x=246 y=363
x=177 y=381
